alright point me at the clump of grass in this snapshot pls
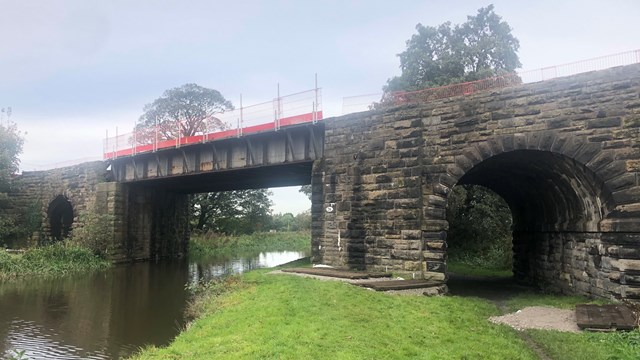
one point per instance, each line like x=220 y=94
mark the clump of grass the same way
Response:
x=205 y=293
x=52 y=260
x=211 y=243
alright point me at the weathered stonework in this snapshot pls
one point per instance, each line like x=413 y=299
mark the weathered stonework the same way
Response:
x=563 y=154
x=76 y=183
x=145 y=222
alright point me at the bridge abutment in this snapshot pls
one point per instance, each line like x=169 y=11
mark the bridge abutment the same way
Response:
x=564 y=154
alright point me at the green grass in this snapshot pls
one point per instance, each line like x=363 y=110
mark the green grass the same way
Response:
x=529 y=298
x=592 y=346
x=219 y=244
x=461 y=268
x=263 y=316
x=53 y=260
x=289 y=317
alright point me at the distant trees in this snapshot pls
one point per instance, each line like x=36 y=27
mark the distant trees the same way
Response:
x=289 y=222
x=481 y=47
x=231 y=212
x=479 y=227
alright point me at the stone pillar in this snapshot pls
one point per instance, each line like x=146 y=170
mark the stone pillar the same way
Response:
x=367 y=194
x=146 y=223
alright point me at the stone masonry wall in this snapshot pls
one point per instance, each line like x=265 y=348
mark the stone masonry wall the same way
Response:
x=77 y=183
x=367 y=204
x=563 y=153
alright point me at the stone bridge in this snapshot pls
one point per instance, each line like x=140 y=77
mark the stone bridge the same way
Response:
x=564 y=154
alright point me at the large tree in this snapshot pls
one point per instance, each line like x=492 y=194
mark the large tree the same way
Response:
x=481 y=47
x=190 y=108
x=231 y=212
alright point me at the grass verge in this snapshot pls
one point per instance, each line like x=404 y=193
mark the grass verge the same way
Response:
x=462 y=268
x=202 y=245
x=53 y=260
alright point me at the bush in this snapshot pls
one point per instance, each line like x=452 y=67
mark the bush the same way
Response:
x=52 y=260
x=96 y=233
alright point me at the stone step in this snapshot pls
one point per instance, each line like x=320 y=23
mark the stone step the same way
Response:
x=605 y=317
x=343 y=274
x=387 y=285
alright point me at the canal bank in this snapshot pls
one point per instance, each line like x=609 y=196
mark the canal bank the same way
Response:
x=271 y=316
x=111 y=314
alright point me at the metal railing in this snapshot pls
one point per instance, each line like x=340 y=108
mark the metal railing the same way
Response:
x=302 y=107
x=369 y=101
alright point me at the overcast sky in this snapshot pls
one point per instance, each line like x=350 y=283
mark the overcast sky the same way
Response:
x=71 y=69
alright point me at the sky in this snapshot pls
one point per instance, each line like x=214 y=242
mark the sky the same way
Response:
x=71 y=70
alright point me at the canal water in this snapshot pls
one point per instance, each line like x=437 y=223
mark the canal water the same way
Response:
x=110 y=314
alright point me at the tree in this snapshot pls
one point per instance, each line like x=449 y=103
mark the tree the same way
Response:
x=190 y=108
x=306 y=189
x=11 y=141
x=481 y=47
x=479 y=227
x=231 y=212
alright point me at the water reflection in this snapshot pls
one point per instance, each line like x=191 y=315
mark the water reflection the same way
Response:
x=110 y=314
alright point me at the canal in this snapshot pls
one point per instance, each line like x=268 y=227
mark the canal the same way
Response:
x=110 y=314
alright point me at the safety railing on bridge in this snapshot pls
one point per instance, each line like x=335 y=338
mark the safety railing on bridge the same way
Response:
x=370 y=101
x=298 y=108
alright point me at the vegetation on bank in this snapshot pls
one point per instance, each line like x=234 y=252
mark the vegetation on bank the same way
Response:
x=289 y=317
x=53 y=260
x=210 y=244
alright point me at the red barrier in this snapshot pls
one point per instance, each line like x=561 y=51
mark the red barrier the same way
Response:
x=218 y=135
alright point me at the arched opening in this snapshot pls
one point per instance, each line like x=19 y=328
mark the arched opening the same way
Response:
x=556 y=205
x=60 y=213
x=479 y=239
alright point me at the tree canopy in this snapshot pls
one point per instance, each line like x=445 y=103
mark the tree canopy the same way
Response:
x=11 y=141
x=481 y=47
x=191 y=106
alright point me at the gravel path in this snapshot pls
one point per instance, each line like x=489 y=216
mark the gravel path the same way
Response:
x=540 y=317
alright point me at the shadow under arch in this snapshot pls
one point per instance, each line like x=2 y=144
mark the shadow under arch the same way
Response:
x=60 y=214
x=557 y=204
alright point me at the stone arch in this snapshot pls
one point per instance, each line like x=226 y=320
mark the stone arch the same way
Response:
x=584 y=172
x=60 y=215
x=560 y=190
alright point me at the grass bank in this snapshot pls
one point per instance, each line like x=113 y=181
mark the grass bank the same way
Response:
x=265 y=316
x=261 y=241
x=53 y=260
x=288 y=317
